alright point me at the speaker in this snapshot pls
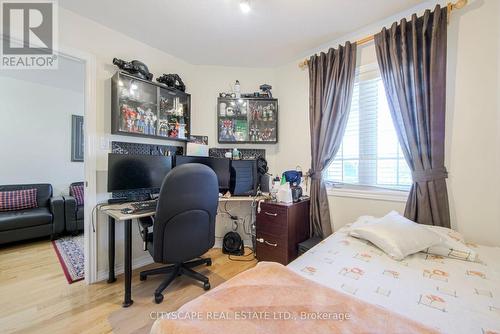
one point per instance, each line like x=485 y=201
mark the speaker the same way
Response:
x=264 y=183
x=232 y=244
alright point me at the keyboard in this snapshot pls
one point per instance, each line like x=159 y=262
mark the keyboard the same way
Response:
x=144 y=206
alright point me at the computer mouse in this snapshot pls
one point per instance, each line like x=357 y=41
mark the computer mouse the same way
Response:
x=127 y=210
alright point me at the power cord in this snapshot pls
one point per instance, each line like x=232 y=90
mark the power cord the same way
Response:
x=246 y=255
x=93 y=214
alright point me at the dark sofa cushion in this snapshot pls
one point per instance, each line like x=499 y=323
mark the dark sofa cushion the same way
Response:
x=43 y=191
x=12 y=220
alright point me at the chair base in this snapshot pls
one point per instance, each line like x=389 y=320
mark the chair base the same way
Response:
x=174 y=271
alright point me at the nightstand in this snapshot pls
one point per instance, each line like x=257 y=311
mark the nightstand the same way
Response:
x=280 y=228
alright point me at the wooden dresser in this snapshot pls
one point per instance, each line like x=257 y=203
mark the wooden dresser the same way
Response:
x=280 y=227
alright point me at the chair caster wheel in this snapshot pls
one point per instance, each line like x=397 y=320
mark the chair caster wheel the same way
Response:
x=158 y=298
x=209 y=262
x=142 y=277
x=206 y=286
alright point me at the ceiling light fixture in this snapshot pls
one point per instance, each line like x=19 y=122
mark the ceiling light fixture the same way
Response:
x=245 y=6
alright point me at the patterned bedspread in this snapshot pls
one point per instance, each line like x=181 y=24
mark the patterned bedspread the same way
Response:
x=451 y=295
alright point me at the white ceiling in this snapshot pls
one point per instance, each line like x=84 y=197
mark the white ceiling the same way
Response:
x=216 y=32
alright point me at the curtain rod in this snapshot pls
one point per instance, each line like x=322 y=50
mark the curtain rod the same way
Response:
x=450 y=6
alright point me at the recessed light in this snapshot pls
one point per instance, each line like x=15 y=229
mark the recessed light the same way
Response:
x=245 y=6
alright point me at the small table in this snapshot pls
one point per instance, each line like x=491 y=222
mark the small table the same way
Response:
x=113 y=211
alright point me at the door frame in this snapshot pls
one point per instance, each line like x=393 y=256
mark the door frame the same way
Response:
x=90 y=157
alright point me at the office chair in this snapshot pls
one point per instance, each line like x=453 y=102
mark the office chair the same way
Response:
x=184 y=224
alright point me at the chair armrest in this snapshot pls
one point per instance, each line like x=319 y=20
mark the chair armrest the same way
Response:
x=70 y=204
x=145 y=223
x=57 y=210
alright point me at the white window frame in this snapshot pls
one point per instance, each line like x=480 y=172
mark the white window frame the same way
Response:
x=337 y=189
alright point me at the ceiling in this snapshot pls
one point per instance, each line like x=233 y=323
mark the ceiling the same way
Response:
x=216 y=32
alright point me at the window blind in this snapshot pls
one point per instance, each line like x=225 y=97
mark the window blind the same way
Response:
x=370 y=154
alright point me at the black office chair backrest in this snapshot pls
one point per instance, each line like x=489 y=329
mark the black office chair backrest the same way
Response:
x=185 y=216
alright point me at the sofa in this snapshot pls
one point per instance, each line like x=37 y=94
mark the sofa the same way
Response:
x=45 y=220
x=74 y=211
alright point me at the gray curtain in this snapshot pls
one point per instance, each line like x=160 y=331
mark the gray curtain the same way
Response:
x=331 y=82
x=412 y=59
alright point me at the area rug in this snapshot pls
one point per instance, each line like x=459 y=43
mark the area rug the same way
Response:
x=69 y=251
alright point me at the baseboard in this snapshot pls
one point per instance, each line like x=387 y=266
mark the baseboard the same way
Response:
x=119 y=269
x=145 y=260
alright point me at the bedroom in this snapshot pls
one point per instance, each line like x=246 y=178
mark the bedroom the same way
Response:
x=206 y=44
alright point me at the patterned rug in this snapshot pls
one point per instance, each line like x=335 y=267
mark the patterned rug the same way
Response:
x=69 y=251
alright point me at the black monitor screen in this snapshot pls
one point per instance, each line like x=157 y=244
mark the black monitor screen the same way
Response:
x=129 y=172
x=221 y=167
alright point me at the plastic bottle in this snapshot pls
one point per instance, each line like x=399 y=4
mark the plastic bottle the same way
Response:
x=237 y=89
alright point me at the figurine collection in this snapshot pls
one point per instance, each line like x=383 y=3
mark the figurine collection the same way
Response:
x=138 y=120
x=247 y=120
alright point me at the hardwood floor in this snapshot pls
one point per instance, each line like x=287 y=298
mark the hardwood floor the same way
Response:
x=36 y=298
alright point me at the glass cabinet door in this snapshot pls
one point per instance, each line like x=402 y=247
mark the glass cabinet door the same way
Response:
x=233 y=120
x=263 y=120
x=247 y=120
x=137 y=102
x=173 y=120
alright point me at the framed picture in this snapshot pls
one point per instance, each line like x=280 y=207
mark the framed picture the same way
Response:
x=77 y=138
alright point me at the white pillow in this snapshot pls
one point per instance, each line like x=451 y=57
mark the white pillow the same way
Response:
x=397 y=236
x=453 y=245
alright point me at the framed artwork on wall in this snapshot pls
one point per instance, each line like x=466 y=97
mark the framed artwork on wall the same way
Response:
x=77 y=138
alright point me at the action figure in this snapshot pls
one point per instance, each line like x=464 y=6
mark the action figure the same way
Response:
x=172 y=81
x=135 y=68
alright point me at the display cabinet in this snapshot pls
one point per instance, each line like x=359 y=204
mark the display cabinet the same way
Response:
x=247 y=120
x=148 y=109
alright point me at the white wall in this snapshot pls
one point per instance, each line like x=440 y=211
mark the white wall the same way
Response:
x=209 y=82
x=203 y=82
x=36 y=132
x=472 y=141
x=473 y=121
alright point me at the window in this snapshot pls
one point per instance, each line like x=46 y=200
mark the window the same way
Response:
x=370 y=154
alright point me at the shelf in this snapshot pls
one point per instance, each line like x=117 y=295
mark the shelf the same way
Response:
x=263 y=121
x=243 y=117
x=129 y=100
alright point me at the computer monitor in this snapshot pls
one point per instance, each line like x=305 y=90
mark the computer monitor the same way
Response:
x=132 y=172
x=221 y=167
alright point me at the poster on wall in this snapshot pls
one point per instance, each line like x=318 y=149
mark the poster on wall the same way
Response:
x=77 y=138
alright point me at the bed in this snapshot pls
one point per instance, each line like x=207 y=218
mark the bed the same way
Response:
x=345 y=275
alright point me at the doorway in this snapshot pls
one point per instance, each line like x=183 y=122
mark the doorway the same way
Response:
x=49 y=130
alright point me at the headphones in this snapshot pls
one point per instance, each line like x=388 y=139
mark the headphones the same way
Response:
x=262 y=167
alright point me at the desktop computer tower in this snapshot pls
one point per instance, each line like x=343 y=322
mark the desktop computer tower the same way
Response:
x=244 y=178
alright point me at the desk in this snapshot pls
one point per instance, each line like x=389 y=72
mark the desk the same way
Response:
x=113 y=211
x=114 y=214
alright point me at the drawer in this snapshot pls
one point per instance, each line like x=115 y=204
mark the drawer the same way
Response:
x=270 y=248
x=273 y=210
x=272 y=221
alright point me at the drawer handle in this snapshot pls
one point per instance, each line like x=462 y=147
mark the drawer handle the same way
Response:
x=270 y=244
x=261 y=240
x=270 y=214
